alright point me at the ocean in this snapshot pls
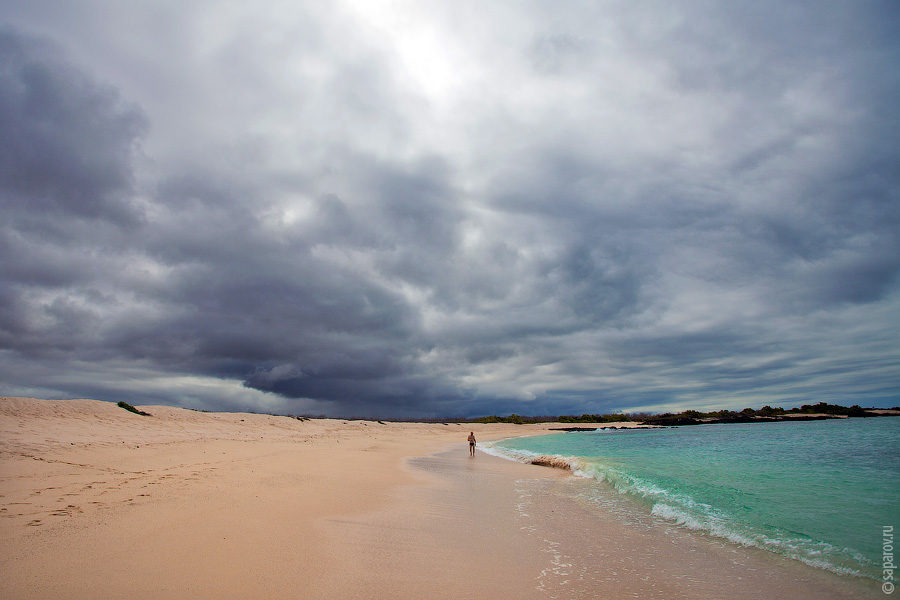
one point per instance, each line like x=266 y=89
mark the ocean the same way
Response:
x=819 y=492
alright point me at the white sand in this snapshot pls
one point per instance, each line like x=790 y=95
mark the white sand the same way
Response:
x=97 y=502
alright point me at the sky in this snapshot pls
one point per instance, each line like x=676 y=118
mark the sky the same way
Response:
x=450 y=208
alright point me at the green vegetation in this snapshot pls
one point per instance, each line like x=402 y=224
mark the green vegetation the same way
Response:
x=513 y=418
x=766 y=413
x=695 y=417
x=830 y=409
x=130 y=408
x=688 y=417
x=611 y=418
x=520 y=420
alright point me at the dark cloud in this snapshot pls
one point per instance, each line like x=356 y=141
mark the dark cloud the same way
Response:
x=536 y=211
x=66 y=190
x=68 y=141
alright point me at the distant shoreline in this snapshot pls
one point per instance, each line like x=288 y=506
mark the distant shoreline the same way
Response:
x=807 y=412
x=686 y=421
x=678 y=420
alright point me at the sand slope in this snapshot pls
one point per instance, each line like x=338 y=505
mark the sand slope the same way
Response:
x=98 y=502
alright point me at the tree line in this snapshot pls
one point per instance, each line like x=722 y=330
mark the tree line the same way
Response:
x=691 y=417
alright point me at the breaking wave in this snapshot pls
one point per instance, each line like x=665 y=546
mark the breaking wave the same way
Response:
x=680 y=507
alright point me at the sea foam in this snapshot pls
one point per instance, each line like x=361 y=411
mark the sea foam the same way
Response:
x=792 y=489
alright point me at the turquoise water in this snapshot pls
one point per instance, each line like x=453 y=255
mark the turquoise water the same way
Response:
x=816 y=491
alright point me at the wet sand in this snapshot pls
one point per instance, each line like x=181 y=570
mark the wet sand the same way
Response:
x=96 y=502
x=490 y=528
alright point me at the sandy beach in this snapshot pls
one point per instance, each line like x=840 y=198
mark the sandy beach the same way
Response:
x=98 y=502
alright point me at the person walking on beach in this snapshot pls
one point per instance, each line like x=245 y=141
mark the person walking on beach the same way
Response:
x=471 y=443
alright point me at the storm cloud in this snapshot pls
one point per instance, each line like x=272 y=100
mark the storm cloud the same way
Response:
x=451 y=209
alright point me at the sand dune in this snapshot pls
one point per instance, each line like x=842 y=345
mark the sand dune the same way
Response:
x=100 y=502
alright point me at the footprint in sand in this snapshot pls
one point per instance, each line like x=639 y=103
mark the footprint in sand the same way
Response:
x=35 y=523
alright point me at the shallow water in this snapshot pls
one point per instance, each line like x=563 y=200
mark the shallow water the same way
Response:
x=816 y=491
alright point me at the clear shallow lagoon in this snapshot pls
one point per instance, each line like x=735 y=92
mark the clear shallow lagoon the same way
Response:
x=816 y=491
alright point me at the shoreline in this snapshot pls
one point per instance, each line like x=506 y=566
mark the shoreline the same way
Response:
x=601 y=498
x=98 y=502
x=492 y=527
